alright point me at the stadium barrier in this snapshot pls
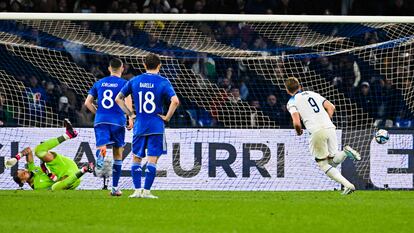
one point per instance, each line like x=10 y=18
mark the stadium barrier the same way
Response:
x=229 y=159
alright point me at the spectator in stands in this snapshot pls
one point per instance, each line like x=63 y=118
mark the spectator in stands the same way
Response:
x=69 y=94
x=244 y=90
x=153 y=43
x=36 y=89
x=181 y=118
x=234 y=96
x=198 y=7
x=157 y=6
x=365 y=99
x=118 y=35
x=96 y=71
x=179 y=6
x=65 y=109
x=255 y=103
x=63 y=7
x=128 y=74
x=275 y=110
x=129 y=34
x=390 y=103
x=84 y=117
x=205 y=66
x=226 y=84
x=133 y=8
x=52 y=95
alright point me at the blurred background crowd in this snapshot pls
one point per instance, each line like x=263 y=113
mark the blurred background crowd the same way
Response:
x=344 y=7
x=373 y=92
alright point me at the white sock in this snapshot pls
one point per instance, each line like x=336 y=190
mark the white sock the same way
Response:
x=339 y=158
x=334 y=174
x=66 y=136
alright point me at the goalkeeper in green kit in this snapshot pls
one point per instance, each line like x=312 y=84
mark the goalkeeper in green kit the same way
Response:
x=57 y=172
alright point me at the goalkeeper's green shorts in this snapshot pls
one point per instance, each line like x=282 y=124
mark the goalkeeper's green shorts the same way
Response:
x=63 y=166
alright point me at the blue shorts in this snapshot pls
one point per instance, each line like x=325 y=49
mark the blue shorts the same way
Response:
x=152 y=145
x=106 y=134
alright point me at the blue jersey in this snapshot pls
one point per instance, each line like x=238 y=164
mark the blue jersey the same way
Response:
x=105 y=91
x=148 y=92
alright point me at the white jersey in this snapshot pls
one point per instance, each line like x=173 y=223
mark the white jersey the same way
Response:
x=310 y=107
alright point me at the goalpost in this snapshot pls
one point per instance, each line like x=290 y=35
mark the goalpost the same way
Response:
x=229 y=143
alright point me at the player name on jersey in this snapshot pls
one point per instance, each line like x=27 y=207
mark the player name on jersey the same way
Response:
x=109 y=85
x=146 y=85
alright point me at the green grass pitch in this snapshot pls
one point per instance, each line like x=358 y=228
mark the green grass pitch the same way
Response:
x=207 y=211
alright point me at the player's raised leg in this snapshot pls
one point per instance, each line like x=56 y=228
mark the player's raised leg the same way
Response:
x=337 y=157
x=42 y=150
x=103 y=138
x=319 y=147
x=73 y=180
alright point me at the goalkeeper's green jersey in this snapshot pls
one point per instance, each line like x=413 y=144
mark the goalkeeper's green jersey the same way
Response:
x=40 y=180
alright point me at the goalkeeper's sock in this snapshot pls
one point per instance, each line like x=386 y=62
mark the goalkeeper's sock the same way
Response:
x=85 y=169
x=116 y=172
x=150 y=174
x=42 y=149
x=338 y=158
x=334 y=174
x=136 y=172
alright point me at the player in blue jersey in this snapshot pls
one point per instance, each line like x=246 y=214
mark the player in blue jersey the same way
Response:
x=110 y=120
x=148 y=90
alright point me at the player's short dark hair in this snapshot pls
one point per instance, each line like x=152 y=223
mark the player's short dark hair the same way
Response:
x=115 y=63
x=292 y=84
x=152 y=61
x=17 y=180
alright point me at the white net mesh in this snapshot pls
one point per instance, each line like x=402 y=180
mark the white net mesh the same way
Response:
x=228 y=76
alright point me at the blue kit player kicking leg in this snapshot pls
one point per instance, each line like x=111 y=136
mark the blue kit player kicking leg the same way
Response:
x=110 y=120
x=148 y=91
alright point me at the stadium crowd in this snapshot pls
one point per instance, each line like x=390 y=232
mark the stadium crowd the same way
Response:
x=357 y=7
x=371 y=92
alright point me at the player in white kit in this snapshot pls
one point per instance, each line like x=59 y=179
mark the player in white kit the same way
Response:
x=316 y=113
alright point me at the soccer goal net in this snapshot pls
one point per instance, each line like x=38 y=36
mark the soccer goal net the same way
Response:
x=232 y=130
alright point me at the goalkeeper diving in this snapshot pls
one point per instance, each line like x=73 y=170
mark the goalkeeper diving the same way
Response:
x=57 y=172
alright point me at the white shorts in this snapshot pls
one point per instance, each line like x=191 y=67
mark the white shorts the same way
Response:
x=323 y=143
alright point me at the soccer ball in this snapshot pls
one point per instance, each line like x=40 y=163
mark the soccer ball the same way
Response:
x=382 y=136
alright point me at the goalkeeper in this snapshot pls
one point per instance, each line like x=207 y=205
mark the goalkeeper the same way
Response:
x=57 y=171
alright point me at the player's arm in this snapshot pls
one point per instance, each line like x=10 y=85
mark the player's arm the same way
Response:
x=329 y=107
x=89 y=103
x=128 y=102
x=29 y=155
x=294 y=113
x=173 y=106
x=120 y=100
x=297 y=123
